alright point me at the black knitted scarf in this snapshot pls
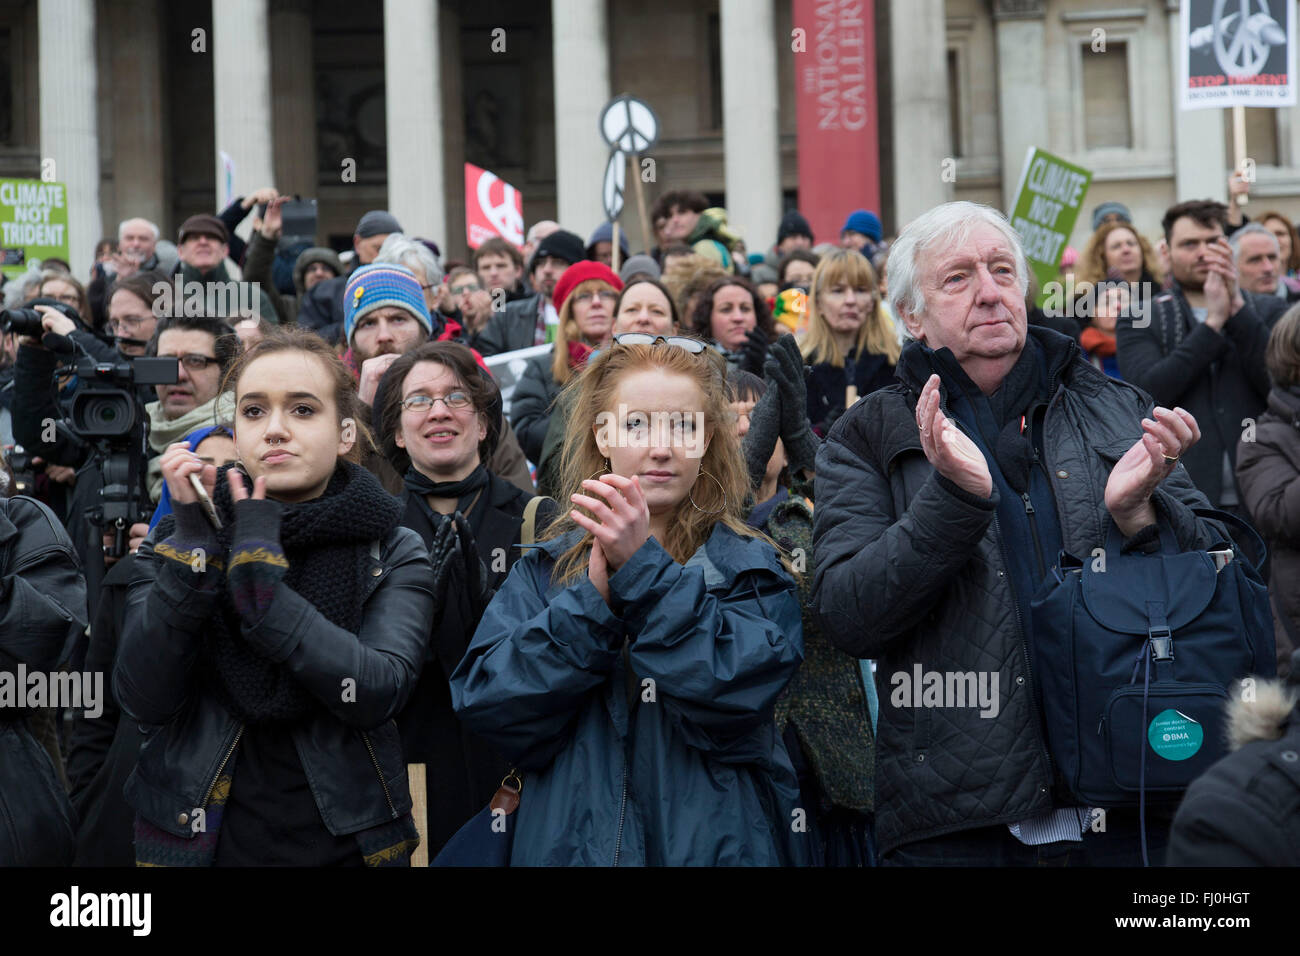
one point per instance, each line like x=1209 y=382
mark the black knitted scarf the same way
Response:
x=327 y=543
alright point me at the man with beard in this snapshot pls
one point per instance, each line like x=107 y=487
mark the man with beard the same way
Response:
x=1200 y=346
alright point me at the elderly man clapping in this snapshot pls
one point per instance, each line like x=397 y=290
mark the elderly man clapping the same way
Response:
x=942 y=504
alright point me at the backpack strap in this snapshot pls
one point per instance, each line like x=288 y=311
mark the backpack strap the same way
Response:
x=528 y=533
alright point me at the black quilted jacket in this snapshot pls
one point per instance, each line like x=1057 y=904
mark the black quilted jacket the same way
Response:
x=908 y=572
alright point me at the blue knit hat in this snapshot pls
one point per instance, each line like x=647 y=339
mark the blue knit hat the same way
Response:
x=865 y=222
x=377 y=285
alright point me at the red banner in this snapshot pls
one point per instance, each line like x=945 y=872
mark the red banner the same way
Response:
x=835 y=100
x=492 y=208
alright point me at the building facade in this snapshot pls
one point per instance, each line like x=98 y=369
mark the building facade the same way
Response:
x=379 y=105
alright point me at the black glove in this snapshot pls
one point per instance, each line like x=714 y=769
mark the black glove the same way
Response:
x=788 y=377
x=754 y=352
x=443 y=555
x=257 y=560
x=476 y=576
x=764 y=429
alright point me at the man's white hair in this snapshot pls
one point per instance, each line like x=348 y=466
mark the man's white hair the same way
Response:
x=403 y=251
x=121 y=227
x=1250 y=229
x=949 y=224
x=550 y=225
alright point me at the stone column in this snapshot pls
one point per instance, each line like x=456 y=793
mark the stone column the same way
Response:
x=1199 y=142
x=1022 y=93
x=750 y=138
x=69 y=132
x=241 y=94
x=921 y=138
x=413 y=106
x=580 y=55
x=139 y=155
x=293 y=98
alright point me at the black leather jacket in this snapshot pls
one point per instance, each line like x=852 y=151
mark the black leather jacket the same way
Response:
x=352 y=757
x=42 y=598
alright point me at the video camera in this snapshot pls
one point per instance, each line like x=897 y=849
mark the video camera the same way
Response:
x=105 y=409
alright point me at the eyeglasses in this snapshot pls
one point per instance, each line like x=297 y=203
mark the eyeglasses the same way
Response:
x=468 y=287
x=194 y=362
x=694 y=346
x=423 y=403
x=605 y=295
x=128 y=322
x=68 y=298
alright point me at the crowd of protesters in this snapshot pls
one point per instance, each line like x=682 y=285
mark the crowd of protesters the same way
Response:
x=646 y=600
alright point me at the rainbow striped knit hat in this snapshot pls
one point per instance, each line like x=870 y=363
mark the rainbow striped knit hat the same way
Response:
x=377 y=285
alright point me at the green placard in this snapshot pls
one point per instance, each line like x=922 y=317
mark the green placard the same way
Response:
x=1047 y=204
x=33 y=223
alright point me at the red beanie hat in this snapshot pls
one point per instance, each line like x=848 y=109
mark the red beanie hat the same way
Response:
x=580 y=272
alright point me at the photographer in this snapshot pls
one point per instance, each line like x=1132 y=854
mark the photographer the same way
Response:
x=37 y=419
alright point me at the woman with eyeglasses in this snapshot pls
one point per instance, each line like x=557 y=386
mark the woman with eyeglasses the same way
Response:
x=439 y=420
x=629 y=665
x=585 y=296
x=852 y=344
x=64 y=288
x=270 y=642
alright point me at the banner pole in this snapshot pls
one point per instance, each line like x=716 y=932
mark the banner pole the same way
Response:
x=1239 y=145
x=640 y=202
x=615 y=250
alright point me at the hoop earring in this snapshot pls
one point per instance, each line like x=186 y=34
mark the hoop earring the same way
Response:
x=691 y=495
x=608 y=470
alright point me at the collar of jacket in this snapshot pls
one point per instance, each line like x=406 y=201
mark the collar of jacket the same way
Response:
x=7 y=528
x=918 y=361
x=190 y=274
x=1285 y=404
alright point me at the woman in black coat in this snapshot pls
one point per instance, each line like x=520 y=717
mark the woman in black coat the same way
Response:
x=439 y=419
x=852 y=344
x=269 y=648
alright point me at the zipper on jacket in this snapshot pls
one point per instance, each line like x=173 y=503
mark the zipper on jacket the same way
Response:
x=622 y=810
x=382 y=782
x=224 y=760
x=1029 y=673
x=1033 y=531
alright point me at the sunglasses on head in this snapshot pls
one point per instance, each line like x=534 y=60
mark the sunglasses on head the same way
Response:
x=694 y=346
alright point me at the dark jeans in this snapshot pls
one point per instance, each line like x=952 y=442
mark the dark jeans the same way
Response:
x=1118 y=845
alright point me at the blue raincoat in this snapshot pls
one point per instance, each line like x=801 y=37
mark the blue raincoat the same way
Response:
x=644 y=737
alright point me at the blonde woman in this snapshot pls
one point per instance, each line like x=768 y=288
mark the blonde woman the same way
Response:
x=630 y=664
x=852 y=344
x=585 y=296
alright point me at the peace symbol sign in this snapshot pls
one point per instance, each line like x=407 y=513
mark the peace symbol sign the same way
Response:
x=629 y=124
x=1243 y=39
